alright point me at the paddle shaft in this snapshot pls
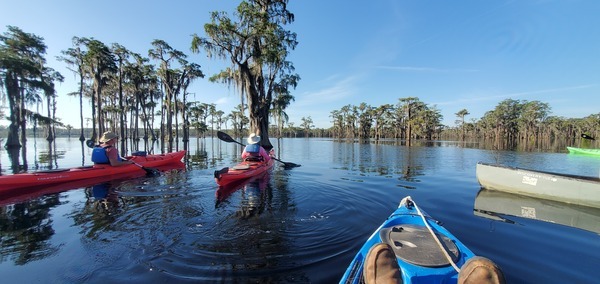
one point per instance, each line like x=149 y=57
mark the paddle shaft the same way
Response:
x=238 y=142
x=149 y=171
x=136 y=164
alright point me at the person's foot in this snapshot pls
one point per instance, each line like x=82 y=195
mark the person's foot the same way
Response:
x=381 y=265
x=480 y=270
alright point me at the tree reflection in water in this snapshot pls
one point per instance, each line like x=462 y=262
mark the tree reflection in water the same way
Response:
x=26 y=230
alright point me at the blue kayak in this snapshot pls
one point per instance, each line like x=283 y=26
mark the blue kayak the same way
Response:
x=420 y=256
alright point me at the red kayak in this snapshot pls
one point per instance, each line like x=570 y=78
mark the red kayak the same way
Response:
x=27 y=193
x=58 y=176
x=241 y=172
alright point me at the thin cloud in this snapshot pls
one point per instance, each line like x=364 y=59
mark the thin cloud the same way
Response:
x=550 y=90
x=424 y=69
x=517 y=94
x=222 y=101
x=339 y=90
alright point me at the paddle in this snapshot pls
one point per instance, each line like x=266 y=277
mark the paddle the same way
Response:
x=286 y=164
x=585 y=136
x=149 y=171
x=221 y=172
x=90 y=143
x=225 y=137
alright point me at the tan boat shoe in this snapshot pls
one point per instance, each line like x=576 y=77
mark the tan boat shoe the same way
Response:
x=480 y=270
x=381 y=265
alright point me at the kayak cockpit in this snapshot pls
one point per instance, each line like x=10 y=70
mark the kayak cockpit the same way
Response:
x=414 y=244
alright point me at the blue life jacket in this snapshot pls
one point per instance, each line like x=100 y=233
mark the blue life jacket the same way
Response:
x=253 y=149
x=99 y=155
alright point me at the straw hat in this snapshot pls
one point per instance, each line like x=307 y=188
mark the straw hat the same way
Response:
x=107 y=136
x=253 y=139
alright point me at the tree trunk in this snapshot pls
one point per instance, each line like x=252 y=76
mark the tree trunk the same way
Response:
x=263 y=126
x=22 y=120
x=94 y=133
x=99 y=116
x=122 y=125
x=12 y=88
x=81 y=136
x=13 y=156
x=258 y=110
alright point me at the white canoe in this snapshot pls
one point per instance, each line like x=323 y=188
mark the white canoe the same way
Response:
x=580 y=190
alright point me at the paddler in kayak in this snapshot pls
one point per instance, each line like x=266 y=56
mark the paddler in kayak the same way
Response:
x=255 y=152
x=107 y=153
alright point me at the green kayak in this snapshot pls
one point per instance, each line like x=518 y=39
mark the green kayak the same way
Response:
x=583 y=151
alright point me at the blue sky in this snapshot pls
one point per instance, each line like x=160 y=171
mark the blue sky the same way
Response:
x=450 y=54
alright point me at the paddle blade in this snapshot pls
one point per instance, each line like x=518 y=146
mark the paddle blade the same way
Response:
x=291 y=165
x=220 y=172
x=585 y=136
x=224 y=136
x=151 y=172
x=286 y=165
x=90 y=143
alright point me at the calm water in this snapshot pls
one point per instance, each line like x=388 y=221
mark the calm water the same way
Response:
x=299 y=225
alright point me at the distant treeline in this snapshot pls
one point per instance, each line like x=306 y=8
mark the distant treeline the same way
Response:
x=411 y=119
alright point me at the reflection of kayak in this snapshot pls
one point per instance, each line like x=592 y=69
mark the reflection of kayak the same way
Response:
x=58 y=176
x=241 y=172
x=225 y=191
x=420 y=257
x=489 y=203
x=584 y=151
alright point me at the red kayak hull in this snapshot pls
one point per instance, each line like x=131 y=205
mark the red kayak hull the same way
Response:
x=9 y=183
x=28 y=193
x=242 y=171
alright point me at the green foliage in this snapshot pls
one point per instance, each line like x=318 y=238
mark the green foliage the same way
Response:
x=257 y=45
x=24 y=78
